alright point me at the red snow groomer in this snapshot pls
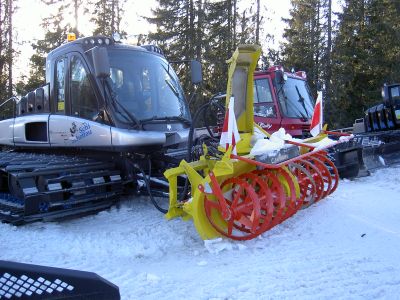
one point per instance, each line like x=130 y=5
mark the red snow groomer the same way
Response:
x=283 y=100
x=253 y=181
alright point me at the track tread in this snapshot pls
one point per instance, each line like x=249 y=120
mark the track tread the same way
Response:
x=39 y=186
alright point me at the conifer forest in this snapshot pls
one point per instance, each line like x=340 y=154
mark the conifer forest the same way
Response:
x=349 y=54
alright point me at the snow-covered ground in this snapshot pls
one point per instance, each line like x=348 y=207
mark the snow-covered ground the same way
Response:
x=347 y=246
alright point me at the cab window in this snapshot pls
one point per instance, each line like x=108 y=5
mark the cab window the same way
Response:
x=83 y=99
x=263 y=101
x=60 y=84
x=262 y=92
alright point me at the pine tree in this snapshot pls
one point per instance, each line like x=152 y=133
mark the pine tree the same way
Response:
x=69 y=7
x=366 y=55
x=180 y=33
x=7 y=53
x=107 y=15
x=206 y=30
x=221 y=43
x=305 y=45
x=177 y=23
x=55 y=35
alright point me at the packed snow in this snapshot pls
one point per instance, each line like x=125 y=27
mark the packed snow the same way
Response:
x=263 y=144
x=275 y=142
x=346 y=246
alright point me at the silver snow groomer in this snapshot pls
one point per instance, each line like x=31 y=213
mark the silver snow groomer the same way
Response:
x=110 y=118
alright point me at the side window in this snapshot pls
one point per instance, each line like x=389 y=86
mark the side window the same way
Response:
x=263 y=101
x=60 y=84
x=83 y=100
x=262 y=92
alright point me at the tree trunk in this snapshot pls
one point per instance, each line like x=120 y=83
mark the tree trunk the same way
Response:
x=76 y=17
x=192 y=38
x=258 y=23
x=229 y=38
x=234 y=23
x=118 y=17
x=199 y=36
x=1 y=40
x=328 y=67
x=112 y=16
x=316 y=46
x=9 y=50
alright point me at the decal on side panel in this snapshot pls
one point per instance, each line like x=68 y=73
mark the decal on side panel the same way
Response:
x=265 y=126
x=78 y=133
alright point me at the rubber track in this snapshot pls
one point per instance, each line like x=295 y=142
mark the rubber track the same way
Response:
x=48 y=187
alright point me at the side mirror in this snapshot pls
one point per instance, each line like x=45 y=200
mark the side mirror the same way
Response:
x=196 y=72
x=101 y=62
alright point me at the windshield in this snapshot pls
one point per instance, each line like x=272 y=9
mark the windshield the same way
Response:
x=146 y=85
x=295 y=99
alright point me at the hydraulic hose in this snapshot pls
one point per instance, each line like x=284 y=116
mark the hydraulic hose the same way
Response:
x=147 y=184
x=202 y=110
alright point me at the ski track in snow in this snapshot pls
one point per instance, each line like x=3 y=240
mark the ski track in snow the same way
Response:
x=346 y=246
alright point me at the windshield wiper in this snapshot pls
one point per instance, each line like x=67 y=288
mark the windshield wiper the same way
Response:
x=295 y=109
x=301 y=100
x=168 y=118
x=116 y=104
x=171 y=86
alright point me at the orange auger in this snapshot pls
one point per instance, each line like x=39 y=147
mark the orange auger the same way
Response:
x=266 y=196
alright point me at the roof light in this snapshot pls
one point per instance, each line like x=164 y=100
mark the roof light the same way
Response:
x=71 y=37
x=93 y=41
x=116 y=37
x=153 y=48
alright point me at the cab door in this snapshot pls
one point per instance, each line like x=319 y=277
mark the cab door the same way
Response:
x=76 y=120
x=266 y=113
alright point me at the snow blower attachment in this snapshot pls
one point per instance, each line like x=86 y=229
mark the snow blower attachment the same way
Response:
x=240 y=196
